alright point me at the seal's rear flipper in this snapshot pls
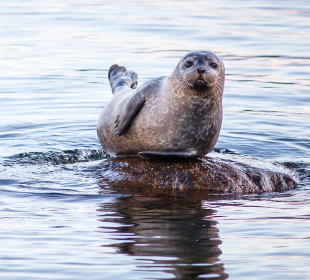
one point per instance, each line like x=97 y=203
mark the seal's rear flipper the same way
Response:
x=117 y=68
x=170 y=155
x=120 y=77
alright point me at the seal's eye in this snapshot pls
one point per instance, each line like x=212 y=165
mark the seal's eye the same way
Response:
x=213 y=65
x=188 y=64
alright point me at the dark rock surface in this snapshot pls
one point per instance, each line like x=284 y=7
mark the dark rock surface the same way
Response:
x=215 y=173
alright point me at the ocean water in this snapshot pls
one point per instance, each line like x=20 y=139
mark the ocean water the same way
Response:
x=59 y=220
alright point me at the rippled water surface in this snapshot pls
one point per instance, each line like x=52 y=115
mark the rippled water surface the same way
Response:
x=59 y=220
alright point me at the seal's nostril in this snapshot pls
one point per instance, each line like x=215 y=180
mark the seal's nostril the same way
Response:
x=201 y=71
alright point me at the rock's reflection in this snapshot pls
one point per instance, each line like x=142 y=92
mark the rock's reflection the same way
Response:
x=159 y=215
x=171 y=228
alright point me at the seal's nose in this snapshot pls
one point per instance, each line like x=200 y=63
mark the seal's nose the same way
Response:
x=201 y=71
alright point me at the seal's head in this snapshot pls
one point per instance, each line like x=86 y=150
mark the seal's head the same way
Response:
x=199 y=73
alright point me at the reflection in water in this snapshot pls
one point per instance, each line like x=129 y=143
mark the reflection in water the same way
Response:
x=169 y=226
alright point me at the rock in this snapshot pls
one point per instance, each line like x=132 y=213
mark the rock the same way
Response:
x=215 y=173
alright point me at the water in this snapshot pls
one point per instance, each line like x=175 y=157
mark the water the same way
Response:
x=59 y=220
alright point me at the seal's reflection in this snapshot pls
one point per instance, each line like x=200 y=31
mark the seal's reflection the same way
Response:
x=168 y=223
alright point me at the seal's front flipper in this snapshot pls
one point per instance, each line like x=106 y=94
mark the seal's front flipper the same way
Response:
x=120 y=77
x=128 y=112
x=170 y=155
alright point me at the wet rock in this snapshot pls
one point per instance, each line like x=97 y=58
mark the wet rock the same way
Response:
x=216 y=173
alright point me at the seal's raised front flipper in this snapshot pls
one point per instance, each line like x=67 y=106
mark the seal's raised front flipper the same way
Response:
x=128 y=112
x=168 y=154
x=120 y=78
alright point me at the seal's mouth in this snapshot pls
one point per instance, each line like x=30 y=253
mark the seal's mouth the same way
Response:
x=201 y=83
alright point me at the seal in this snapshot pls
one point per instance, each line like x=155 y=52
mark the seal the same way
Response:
x=178 y=116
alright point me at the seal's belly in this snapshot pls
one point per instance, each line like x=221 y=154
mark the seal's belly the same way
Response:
x=169 y=130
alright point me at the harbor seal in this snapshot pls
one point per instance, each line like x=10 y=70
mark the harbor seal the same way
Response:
x=178 y=116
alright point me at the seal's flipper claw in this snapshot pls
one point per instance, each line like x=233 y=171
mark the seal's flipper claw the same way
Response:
x=128 y=112
x=134 y=79
x=169 y=155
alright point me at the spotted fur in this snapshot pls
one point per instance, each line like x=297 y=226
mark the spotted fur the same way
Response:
x=179 y=113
